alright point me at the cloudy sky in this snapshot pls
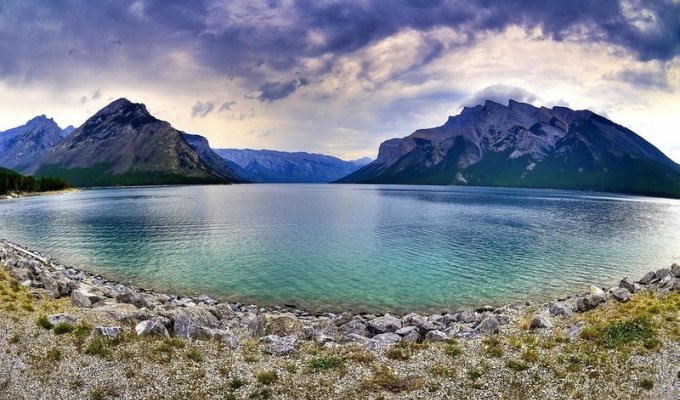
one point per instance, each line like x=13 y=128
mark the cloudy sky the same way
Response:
x=339 y=77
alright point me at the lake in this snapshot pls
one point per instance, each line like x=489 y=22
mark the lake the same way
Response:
x=352 y=247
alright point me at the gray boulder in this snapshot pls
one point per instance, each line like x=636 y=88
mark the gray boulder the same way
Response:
x=194 y=322
x=226 y=337
x=540 y=321
x=628 y=284
x=382 y=341
x=342 y=319
x=675 y=268
x=223 y=311
x=279 y=346
x=354 y=326
x=282 y=325
x=152 y=327
x=422 y=323
x=58 y=284
x=558 y=308
x=621 y=294
x=589 y=302
x=406 y=330
x=84 y=298
x=662 y=273
x=465 y=316
x=488 y=326
x=384 y=324
x=131 y=297
x=355 y=337
x=436 y=336
x=648 y=278
x=124 y=312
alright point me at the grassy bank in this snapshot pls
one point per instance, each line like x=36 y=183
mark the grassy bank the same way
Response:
x=621 y=350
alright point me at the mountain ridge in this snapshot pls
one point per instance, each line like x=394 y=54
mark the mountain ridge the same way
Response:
x=123 y=144
x=520 y=145
x=274 y=166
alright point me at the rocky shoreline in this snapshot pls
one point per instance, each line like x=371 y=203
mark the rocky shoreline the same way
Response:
x=281 y=332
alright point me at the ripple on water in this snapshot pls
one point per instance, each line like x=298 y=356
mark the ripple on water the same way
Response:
x=336 y=247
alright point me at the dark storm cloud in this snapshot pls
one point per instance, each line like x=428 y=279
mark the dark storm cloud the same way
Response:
x=201 y=109
x=272 y=91
x=249 y=39
x=227 y=105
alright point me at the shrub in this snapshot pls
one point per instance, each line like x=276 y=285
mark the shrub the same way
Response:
x=517 y=365
x=98 y=346
x=43 y=322
x=62 y=328
x=237 y=383
x=646 y=384
x=325 y=363
x=195 y=355
x=628 y=331
x=267 y=377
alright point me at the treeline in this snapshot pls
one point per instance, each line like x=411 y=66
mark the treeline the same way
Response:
x=10 y=181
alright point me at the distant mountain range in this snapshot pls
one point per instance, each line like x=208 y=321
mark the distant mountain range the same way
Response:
x=272 y=166
x=517 y=145
x=520 y=145
x=123 y=144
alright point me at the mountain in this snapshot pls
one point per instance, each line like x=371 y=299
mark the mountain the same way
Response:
x=229 y=170
x=67 y=131
x=123 y=144
x=520 y=145
x=20 y=147
x=282 y=167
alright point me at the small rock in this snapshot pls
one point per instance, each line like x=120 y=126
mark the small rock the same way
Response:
x=384 y=324
x=61 y=318
x=483 y=309
x=110 y=332
x=540 y=321
x=621 y=294
x=152 y=327
x=254 y=325
x=280 y=346
x=436 y=336
x=558 y=308
x=19 y=365
x=648 y=278
x=382 y=341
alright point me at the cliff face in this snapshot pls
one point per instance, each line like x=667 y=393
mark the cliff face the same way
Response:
x=525 y=146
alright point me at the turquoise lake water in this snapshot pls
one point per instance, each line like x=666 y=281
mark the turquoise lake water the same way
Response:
x=352 y=247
